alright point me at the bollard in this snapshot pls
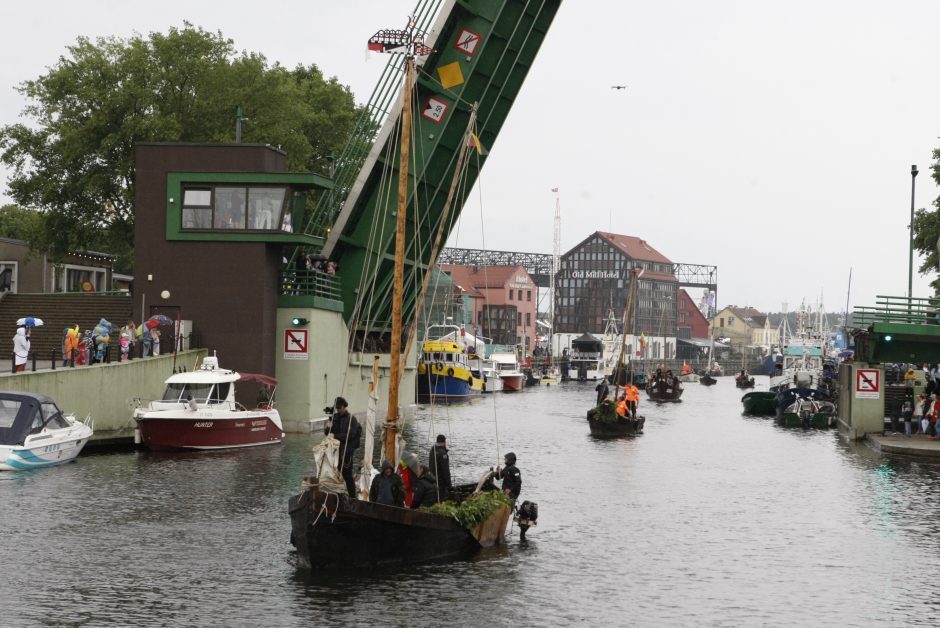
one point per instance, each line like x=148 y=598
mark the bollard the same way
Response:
x=33 y=353
x=13 y=363
x=53 y=359
x=72 y=358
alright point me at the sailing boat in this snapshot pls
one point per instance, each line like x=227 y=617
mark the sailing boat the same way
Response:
x=603 y=419
x=329 y=529
x=663 y=385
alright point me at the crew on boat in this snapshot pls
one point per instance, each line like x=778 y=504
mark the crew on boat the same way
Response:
x=439 y=463
x=387 y=487
x=346 y=429
x=425 y=489
x=511 y=476
x=632 y=397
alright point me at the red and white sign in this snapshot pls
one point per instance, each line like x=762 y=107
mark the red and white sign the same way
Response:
x=434 y=110
x=467 y=41
x=295 y=344
x=867 y=384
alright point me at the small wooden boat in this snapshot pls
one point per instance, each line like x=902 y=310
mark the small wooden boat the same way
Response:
x=664 y=390
x=744 y=382
x=707 y=380
x=606 y=423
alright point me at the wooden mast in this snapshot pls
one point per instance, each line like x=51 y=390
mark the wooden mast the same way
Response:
x=391 y=425
x=627 y=319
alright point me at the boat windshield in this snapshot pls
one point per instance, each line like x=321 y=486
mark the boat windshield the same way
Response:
x=52 y=416
x=204 y=393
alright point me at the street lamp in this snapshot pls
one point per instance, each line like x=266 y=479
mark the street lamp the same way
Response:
x=910 y=261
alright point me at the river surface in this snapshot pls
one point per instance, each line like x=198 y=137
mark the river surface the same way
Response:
x=709 y=518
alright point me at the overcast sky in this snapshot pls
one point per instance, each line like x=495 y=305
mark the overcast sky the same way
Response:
x=771 y=139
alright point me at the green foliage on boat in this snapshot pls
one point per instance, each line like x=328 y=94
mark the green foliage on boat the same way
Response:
x=606 y=412
x=472 y=511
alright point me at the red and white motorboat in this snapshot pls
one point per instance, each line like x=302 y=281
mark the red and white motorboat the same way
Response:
x=507 y=367
x=198 y=411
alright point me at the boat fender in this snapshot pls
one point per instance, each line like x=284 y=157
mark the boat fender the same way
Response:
x=450 y=372
x=470 y=381
x=439 y=366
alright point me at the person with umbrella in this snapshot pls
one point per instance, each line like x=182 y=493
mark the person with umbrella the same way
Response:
x=21 y=341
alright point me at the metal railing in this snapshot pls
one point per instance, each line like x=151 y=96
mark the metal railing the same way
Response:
x=311 y=283
x=907 y=310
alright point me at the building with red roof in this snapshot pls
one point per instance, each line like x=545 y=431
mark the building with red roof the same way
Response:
x=504 y=300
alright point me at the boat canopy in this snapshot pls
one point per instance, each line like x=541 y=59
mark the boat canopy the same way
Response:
x=22 y=413
x=587 y=342
x=798 y=350
x=267 y=380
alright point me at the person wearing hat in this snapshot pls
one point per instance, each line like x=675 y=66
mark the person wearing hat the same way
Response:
x=511 y=476
x=387 y=487
x=346 y=429
x=439 y=464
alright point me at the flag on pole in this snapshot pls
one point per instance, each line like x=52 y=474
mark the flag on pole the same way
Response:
x=474 y=141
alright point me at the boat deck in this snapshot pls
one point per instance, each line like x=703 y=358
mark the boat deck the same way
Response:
x=917 y=445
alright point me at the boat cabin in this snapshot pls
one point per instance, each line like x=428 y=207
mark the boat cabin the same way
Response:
x=22 y=414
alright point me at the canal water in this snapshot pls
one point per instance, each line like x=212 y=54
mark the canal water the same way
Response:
x=709 y=518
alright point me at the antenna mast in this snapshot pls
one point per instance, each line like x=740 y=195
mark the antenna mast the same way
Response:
x=556 y=255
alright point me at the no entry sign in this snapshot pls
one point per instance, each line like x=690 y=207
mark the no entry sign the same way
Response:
x=295 y=344
x=867 y=384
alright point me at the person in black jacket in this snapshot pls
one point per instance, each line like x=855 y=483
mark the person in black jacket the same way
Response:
x=387 y=487
x=425 y=488
x=439 y=464
x=346 y=429
x=510 y=475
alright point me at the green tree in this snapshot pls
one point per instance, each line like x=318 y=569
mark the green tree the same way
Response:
x=927 y=232
x=20 y=224
x=75 y=161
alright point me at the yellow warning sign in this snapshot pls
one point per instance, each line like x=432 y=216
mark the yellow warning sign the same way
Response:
x=450 y=75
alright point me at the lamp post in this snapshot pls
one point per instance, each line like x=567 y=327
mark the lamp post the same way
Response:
x=910 y=261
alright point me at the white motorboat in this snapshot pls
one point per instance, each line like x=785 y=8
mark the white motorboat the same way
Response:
x=199 y=411
x=34 y=432
x=507 y=369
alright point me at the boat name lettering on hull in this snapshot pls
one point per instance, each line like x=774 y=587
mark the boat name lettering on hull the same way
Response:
x=202 y=424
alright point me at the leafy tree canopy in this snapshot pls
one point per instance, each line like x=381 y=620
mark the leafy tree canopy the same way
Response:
x=74 y=161
x=20 y=224
x=927 y=232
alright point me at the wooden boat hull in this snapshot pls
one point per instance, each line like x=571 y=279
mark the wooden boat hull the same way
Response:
x=332 y=531
x=623 y=426
x=761 y=403
x=707 y=380
x=744 y=383
x=167 y=433
x=662 y=391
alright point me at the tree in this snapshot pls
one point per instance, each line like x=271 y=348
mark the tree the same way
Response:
x=20 y=224
x=927 y=232
x=75 y=162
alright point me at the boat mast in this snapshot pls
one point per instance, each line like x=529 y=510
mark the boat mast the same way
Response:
x=556 y=253
x=627 y=319
x=412 y=43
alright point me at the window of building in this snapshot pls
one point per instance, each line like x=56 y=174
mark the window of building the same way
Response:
x=228 y=207
x=518 y=318
x=721 y=321
x=519 y=296
x=80 y=279
x=730 y=321
x=510 y=294
x=528 y=319
x=528 y=295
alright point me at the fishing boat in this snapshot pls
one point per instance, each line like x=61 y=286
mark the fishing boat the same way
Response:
x=707 y=380
x=199 y=411
x=446 y=371
x=35 y=433
x=329 y=528
x=760 y=402
x=743 y=380
x=491 y=380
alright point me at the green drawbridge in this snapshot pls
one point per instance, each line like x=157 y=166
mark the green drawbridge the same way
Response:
x=483 y=50
x=898 y=329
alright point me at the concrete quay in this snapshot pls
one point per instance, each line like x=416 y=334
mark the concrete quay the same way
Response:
x=918 y=445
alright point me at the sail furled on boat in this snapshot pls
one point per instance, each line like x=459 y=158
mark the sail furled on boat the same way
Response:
x=368 y=471
x=329 y=473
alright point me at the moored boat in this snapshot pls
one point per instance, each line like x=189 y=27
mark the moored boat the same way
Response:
x=508 y=371
x=35 y=433
x=707 y=380
x=198 y=411
x=444 y=372
x=759 y=402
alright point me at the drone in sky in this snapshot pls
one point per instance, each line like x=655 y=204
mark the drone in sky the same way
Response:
x=618 y=87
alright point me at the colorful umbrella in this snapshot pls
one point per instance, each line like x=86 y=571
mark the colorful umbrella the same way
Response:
x=29 y=321
x=159 y=319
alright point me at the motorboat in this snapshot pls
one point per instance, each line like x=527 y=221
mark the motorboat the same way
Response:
x=587 y=358
x=198 y=411
x=507 y=369
x=491 y=380
x=445 y=372
x=34 y=432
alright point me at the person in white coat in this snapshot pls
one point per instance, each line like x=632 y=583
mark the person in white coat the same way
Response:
x=20 y=348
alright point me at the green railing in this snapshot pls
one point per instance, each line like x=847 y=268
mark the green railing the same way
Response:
x=907 y=310
x=311 y=283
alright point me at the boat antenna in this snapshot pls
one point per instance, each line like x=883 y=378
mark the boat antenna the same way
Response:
x=410 y=43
